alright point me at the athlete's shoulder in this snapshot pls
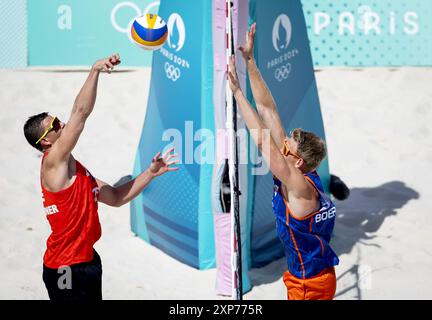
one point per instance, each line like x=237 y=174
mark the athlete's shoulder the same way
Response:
x=314 y=177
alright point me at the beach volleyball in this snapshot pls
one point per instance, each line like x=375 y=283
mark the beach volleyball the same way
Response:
x=149 y=31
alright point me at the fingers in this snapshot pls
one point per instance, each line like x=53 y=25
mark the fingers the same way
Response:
x=106 y=67
x=234 y=85
x=168 y=152
x=232 y=69
x=253 y=28
x=169 y=156
x=109 y=65
x=173 y=169
x=251 y=33
x=166 y=161
x=110 y=62
x=233 y=79
x=175 y=155
x=156 y=157
x=232 y=65
x=170 y=164
x=173 y=162
x=115 y=59
x=250 y=36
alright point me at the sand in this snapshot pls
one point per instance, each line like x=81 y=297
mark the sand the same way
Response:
x=379 y=140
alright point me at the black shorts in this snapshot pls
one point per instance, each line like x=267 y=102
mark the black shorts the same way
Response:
x=78 y=282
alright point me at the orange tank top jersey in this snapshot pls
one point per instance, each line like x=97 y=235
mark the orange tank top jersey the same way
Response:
x=73 y=216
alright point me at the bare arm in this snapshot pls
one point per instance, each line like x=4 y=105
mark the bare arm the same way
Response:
x=283 y=170
x=265 y=103
x=83 y=106
x=118 y=196
x=58 y=167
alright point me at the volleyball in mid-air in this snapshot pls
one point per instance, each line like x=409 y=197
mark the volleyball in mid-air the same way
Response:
x=149 y=31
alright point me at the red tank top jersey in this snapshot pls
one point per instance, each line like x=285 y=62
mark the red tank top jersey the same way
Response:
x=73 y=216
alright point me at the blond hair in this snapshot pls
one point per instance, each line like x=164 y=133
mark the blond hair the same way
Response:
x=310 y=148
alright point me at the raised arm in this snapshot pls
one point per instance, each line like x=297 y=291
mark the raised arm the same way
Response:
x=83 y=106
x=265 y=103
x=283 y=170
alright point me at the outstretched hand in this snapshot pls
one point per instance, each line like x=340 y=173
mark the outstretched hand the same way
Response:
x=233 y=78
x=161 y=165
x=107 y=64
x=247 y=50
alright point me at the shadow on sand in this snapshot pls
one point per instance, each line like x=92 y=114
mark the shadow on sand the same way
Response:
x=358 y=219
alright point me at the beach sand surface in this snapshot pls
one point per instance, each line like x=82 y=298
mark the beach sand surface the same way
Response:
x=379 y=142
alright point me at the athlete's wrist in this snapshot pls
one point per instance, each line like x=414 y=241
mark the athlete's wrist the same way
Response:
x=150 y=173
x=237 y=93
x=250 y=62
x=95 y=69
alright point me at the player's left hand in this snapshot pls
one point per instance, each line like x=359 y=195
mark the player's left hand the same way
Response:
x=247 y=50
x=161 y=165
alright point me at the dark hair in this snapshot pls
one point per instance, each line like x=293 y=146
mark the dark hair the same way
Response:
x=33 y=129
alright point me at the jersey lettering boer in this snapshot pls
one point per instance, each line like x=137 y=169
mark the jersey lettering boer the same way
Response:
x=306 y=240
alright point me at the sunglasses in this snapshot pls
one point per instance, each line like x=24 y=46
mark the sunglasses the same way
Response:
x=287 y=152
x=54 y=125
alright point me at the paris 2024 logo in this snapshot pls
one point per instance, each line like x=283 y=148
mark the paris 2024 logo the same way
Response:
x=281 y=39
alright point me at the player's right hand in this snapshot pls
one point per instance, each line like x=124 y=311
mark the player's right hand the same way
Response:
x=233 y=78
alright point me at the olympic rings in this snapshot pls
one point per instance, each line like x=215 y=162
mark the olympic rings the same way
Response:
x=283 y=72
x=173 y=73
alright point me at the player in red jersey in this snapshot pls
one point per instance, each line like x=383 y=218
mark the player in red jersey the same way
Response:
x=72 y=269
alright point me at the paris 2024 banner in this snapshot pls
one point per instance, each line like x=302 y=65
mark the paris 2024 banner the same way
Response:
x=341 y=32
